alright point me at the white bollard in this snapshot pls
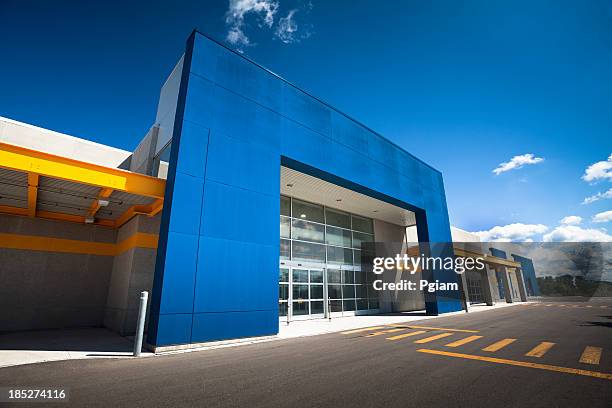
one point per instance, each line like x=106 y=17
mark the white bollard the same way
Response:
x=142 y=312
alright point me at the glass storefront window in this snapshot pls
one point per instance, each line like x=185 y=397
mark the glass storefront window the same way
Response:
x=316 y=291
x=339 y=255
x=334 y=276
x=348 y=277
x=285 y=227
x=360 y=277
x=338 y=237
x=335 y=305
x=349 y=305
x=316 y=276
x=300 y=275
x=359 y=238
x=337 y=218
x=285 y=206
x=362 y=224
x=282 y=309
x=308 y=231
x=348 y=291
x=300 y=308
x=308 y=211
x=304 y=251
x=283 y=292
x=300 y=292
x=316 y=307
x=285 y=249
x=334 y=291
x=313 y=234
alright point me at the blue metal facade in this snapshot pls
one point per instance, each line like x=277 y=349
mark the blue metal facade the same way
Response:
x=216 y=275
x=529 y=275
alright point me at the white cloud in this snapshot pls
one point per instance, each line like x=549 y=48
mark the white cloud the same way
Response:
x=605 y=216
x=512 y=232
x=235 y=16
x=601 y=170
x=571 y=233
x=517 y=162
x=598 y=196
x=571 y=220
x=287 y=27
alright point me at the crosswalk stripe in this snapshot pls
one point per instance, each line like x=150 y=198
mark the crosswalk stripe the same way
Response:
x=540 y=349
x=403 y=336
x=432 y=338
x=364 y=329
x=463 y=341
x=384 y=332
x=603 y=307
x=591 y=355
x=499 y=345
x=434 y=328
x=549 y=305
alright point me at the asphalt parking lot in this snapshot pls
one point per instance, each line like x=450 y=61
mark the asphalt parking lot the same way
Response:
x=544 y=354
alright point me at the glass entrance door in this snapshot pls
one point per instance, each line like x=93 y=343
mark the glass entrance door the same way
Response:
x=301 y=293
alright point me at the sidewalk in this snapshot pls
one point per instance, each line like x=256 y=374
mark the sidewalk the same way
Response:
x=320 y=326
x=62 y=344
x=73 y=344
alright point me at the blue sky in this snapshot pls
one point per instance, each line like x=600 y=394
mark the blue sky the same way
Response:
x=464 y=85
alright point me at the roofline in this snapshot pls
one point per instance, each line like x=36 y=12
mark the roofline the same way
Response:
x=87 y=141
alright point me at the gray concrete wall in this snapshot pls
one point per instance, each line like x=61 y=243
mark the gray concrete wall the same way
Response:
x=516 y=295
x=132 y=273
x=398 y=301
x=41 y=289
x=494 y=285
x=142 y=158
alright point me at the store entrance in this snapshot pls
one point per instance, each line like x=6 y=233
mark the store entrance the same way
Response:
x=301 y=293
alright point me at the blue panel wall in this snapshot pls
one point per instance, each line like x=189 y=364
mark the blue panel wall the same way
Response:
x=528 y=274
x=217 y=265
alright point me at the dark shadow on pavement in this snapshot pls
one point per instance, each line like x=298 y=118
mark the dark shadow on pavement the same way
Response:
x=83 y=339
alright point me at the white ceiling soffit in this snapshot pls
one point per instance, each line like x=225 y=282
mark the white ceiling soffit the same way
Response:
x=315 y=190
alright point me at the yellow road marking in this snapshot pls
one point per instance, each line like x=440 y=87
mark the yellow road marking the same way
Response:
x=403 y=336
x=463 y=341
x=432 y=338
x=499 y=345
x=591 y=355
x=362 y=330
x=577 y=371
x=435 y=328
x=540 y=349
x=384 y=332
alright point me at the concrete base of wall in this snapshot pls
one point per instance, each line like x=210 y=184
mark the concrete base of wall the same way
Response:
x=132 y=273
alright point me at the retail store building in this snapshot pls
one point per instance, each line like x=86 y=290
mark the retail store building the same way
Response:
x=193 y=213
